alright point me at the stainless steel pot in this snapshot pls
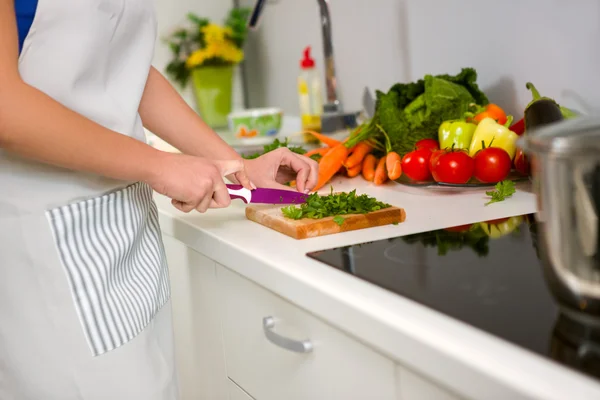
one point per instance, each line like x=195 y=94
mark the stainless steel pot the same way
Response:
x=565 y=161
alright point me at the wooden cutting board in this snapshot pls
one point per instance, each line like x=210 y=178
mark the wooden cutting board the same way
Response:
x=272 y=217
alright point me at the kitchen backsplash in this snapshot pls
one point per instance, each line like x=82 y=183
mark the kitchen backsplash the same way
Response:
x=552 y=43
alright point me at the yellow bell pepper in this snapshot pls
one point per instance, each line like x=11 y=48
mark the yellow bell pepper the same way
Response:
x=490 y=133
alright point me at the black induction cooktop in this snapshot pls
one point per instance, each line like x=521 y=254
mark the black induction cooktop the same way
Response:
x=488 y=275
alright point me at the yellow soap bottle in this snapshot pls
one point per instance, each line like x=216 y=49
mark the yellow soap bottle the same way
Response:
x=310 y=96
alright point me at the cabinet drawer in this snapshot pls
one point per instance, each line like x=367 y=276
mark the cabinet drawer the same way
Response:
x=334 y=366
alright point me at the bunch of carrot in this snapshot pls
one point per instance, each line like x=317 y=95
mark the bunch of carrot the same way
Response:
x=353 y=159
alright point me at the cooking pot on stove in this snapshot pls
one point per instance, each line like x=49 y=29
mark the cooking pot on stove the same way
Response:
x=565 y=167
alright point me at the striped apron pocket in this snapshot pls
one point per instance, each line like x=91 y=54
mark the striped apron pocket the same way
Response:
x=112 y=252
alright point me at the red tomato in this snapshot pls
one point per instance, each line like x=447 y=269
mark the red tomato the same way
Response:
x=521 y=163
x=453 y=167
x=434 y=157
x=431 y=144
x=415 y=164
x=492 y=165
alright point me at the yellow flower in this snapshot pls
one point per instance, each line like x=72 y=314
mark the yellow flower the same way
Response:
x=231 y=53
x=217 y=46
x=214 y=33
x=196 y=58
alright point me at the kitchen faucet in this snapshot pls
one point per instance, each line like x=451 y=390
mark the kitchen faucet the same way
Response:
x=334 y=118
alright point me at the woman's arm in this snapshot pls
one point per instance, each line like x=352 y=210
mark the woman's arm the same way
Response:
x=34 y=125
x=166 y=114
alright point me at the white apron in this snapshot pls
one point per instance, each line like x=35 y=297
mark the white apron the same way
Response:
x=84 y=289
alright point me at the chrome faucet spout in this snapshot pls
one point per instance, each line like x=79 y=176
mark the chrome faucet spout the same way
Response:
x=333 y=103
x=334 y=119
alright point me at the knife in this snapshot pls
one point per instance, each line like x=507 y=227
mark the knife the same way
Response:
x=265 y=195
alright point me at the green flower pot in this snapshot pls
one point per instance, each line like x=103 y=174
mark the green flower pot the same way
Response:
x=213 y=90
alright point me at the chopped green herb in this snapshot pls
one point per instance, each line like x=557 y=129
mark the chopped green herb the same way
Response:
x=503 y=190
x=334 y=205
x=292 y=212
x=274 y=146
x=339 y=220
x=316 y=157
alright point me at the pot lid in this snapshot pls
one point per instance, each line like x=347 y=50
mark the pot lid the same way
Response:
x=576 y=136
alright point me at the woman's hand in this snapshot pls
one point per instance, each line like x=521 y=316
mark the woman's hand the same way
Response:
x=273 y=169
x=194 y=182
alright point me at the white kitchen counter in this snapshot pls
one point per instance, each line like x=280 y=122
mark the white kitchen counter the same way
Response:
x=468 y=361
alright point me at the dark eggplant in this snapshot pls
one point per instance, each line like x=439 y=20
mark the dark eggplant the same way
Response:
x=541 y=110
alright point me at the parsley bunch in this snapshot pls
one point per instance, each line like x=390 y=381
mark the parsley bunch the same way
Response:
x=275 y=145
x=334 y=205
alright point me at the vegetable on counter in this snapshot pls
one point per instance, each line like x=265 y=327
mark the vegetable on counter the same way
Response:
x=334 y=205
x=522 y=164
x=431 y=144
x=415 y=164
x=491 y=134
x=492 y=111
x=331 y=163
x=541 y=110
x=393 y=164
x=380 y=172
x=502 y=191
x=410 y=112
x=456 y=134
x=368 y=167
x=326 y=140
x=492 y=165
x=452 y=166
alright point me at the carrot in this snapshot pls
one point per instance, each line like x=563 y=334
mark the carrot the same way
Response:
x=380 y=173
x=321 y=150
x=394 y=165
x=368 y=167
x=331 y=142
x=358 y=154
x=330 y=164
x=354 y=171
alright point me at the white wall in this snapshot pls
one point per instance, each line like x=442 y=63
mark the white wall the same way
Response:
x=171 y=13
x=553 y=43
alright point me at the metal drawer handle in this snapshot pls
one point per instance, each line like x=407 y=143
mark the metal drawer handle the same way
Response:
x=298 y=346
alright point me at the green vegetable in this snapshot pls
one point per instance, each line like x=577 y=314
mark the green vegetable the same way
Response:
x=274 y=146
x=339 y=220
x=503 y=190
x=334 y=205
x=414 y=111
x=456 y=134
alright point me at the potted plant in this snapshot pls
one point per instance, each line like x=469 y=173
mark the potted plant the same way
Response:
x=205 y=54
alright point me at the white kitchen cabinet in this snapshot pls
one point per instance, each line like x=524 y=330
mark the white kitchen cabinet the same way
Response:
x=236 y=393
x=412 y=386
x=197 y=328
x=336 y=367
